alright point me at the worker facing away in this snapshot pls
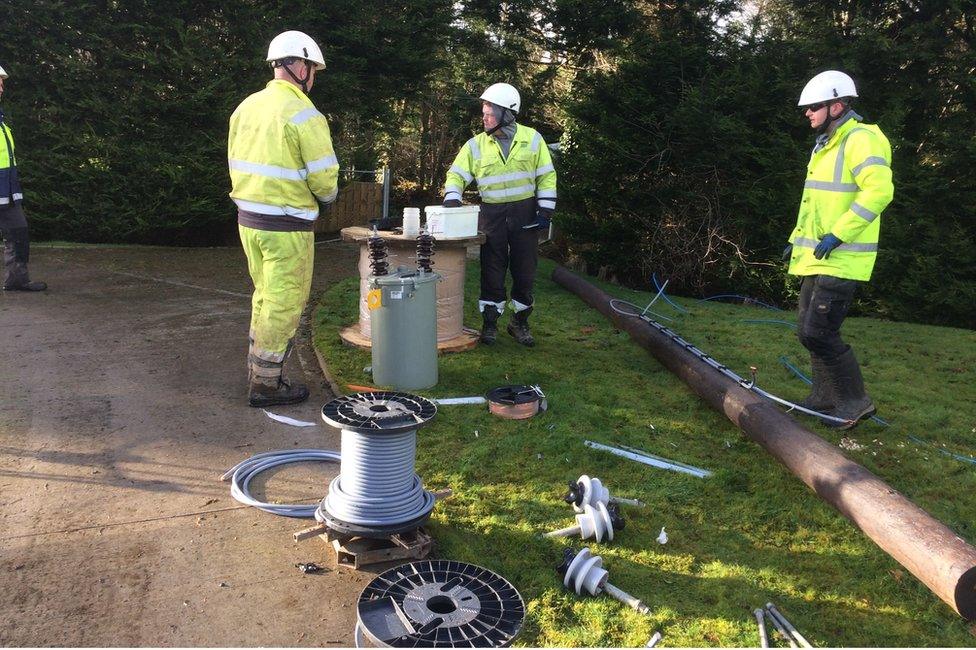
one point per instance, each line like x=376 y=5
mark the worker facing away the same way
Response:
x=282 y=165
x=517 y=183
x=835 y=242
x=13 y=222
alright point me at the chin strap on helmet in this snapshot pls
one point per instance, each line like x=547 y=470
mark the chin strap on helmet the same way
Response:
x=506 y=117
x=303 y=82
x=830 y=119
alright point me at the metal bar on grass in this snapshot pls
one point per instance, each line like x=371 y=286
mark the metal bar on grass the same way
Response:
x=761 y=622
x=653 y=461
x=782 y=630
x=775 y=613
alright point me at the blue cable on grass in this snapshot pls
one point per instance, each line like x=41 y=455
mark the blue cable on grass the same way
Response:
x=745 y=299
x=657 y=285
x=959 y=457
x=770 y=322
x=796 y=371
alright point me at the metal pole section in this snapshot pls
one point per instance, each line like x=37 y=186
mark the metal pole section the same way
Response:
x=942 y=560
x=386 y=192
x=761 y=623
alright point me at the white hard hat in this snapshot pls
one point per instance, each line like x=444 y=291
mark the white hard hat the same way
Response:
x=295 y=44
x=3 y=73
x=503 y=95
x=826 y=86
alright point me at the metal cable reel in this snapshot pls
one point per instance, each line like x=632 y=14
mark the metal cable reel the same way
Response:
x=439 y=604
x=377 y=492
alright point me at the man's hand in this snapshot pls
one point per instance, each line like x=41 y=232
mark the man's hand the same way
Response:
x=788 y=252
x=827 y=244
x=451 y=203
x=542 y=220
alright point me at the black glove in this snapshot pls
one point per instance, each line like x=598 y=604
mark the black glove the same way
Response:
x=542 y=220
x=451 y=203
x=788 y=252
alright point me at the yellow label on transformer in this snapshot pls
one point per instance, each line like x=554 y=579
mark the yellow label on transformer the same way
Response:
x=374 y=298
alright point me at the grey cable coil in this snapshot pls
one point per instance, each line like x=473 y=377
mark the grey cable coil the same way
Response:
x=242 y=474
x=377 y=484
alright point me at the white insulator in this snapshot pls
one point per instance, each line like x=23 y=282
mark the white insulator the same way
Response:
x=594 y=492
x=592 y=522
x=586 y=573
x=595 y=522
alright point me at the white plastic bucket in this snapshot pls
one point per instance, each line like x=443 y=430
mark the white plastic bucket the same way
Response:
x=411 y=222
x=452 y=222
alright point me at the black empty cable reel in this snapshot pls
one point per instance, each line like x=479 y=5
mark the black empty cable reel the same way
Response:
x=440 y=604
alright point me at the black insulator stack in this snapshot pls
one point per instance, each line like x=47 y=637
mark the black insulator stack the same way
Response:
x=377 y=254
x=425 y=251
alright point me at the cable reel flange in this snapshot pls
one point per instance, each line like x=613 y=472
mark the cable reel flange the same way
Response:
x=439 y=604
x=379 y=412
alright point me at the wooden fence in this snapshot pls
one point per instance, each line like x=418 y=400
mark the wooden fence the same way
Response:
x=357 y=203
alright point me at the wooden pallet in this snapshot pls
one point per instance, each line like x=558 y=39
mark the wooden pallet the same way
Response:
x=358 y=552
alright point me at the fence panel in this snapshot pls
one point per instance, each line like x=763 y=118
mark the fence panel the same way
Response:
x=357 y=203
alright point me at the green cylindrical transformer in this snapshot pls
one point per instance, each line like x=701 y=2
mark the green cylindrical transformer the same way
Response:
x=403 y=329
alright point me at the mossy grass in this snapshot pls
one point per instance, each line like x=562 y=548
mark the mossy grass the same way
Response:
x=749 y=534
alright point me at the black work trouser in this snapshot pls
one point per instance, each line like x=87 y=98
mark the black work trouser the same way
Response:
x=824 y=302
x=508 y=247
x=16 y=245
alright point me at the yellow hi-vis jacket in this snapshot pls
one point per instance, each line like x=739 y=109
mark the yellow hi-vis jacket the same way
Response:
x=280 y=154
x=847 y=187
x=527 y=171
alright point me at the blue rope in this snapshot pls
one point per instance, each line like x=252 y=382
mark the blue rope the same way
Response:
x=770 y=322
x=965 y=459
x=742 y=298
x=660 y=289
x=783 y=360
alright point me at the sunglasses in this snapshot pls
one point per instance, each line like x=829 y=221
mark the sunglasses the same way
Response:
x=814 y=107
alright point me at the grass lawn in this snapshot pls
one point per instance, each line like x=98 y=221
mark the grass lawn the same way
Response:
x=749 y=534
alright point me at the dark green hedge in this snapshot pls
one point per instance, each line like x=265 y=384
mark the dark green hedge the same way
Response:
x=683 y=148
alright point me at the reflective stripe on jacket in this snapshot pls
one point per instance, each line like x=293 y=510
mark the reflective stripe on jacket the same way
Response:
x=847 y=187
x=280 y=154
x=527 y=171
x=10 y=189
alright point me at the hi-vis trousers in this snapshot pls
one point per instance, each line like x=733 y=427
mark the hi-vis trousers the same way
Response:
x=280 y=264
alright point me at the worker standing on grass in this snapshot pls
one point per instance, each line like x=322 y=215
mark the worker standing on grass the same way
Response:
x=517 y=182
x=282 y=165
x=835 y=242
x=13 y=222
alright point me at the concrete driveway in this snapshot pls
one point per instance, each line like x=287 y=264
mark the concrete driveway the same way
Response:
x=122 y=400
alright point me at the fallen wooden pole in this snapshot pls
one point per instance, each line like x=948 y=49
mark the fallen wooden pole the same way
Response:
x=942 y=560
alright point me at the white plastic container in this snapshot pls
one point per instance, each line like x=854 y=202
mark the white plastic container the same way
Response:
x=411 y=222
x=452 y=222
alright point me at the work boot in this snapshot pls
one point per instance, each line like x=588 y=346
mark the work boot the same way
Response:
x=489 y=327
x=518 y=327
x=16 y=252
x=27 y=286
x=821 y=398
x=853 y=403
x=266 y=391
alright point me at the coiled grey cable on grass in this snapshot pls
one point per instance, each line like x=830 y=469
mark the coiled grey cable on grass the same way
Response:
x=241 y=475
